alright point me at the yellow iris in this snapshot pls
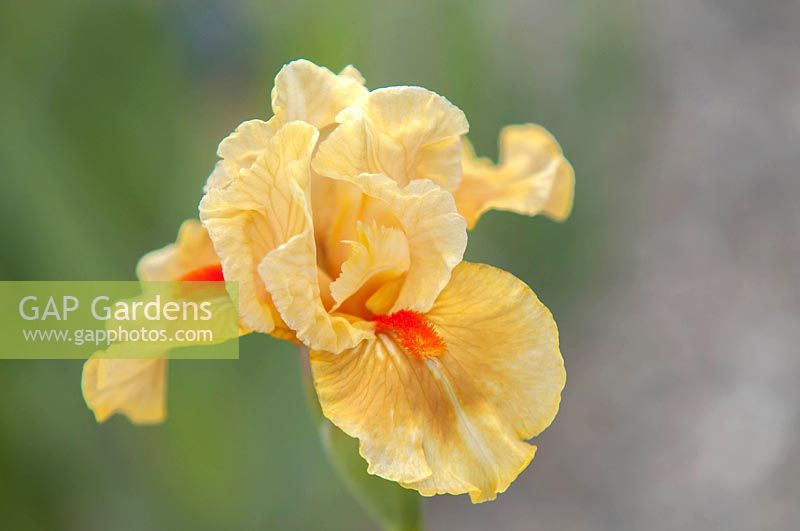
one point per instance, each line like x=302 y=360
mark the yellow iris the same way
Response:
x=344 y=220
x=137 y=387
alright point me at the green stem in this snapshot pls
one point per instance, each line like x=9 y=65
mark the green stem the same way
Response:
x=394 y=507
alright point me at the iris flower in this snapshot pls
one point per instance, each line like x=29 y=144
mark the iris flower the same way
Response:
x=344 y=220
x=137 y=387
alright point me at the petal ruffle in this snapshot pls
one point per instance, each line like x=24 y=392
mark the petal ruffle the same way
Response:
x=247 y=142
x=405 y=133
x=303 y=91
x=257 y=213
x=436 y=234
x=133 y=387
x=533 y=177
x=314 y=94
x=239 y=150
x=456 y=423
x=379 y=255
x=291 y=275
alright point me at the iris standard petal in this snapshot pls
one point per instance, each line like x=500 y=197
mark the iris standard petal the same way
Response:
x=533 y=177
x=303 y=91
x=435 y=232
x=257 y=213
x=239 y=151
x=314 y=94
x=405 y=133
x=291 y=275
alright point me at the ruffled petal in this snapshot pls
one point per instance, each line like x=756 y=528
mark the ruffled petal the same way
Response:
x=353 y=73
x=455 y=422
x=133 y=387
x=379 y=255
x=435 y=232
x=257 y=213
x=247 y=142
x=405 y=133
x=314 y=94
x=291 y=275
x=303 y=91
x=239 y=151
x=533 y=177
x=531 y=150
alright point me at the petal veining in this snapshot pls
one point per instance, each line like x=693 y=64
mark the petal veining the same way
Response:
x=436 y=234
x=533 y=177
x=456 y=422
x=405 y=133
x=291 y=275
x=314 y=94
x=239 y=151
x=256 y=214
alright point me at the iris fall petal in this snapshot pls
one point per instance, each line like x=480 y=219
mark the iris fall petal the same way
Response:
x=456 y=422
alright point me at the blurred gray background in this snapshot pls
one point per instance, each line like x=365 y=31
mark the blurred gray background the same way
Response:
x=675 y=282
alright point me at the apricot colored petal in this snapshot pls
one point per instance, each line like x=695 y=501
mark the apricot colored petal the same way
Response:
x=257 y=213
x=405 y=133
x=247 y=142
x=533 y=177
x=436 y=235
x=353 y=73
x=291 y=275
x=382 y=300
x=314 y=94
x=380 y=254
x=221 y=176
x=135 y=388
x=336 y=207
x=239 y=150
x=455 y=423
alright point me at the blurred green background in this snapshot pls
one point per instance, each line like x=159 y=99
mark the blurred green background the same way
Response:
x=111 y=113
